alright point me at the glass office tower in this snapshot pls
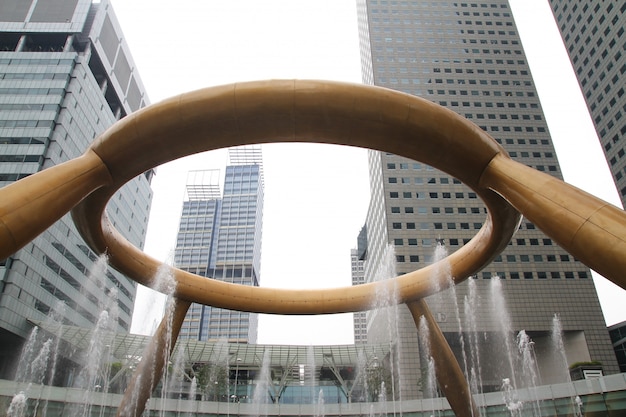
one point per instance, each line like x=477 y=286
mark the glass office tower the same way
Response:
x=360 y=317
x=66 y=75
x=593 y=32
x=468 y=57
x=219 y=237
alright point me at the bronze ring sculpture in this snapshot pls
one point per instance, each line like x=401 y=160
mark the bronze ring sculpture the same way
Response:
x=311 y=111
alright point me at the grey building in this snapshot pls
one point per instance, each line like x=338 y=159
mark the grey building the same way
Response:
x=219 y=237
x=66 y=75
x=357 y=265
x=468 y=57
x=593 y=33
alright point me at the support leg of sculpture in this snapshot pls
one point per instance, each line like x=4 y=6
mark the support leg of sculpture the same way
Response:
x=449 y=375
x=144 y=380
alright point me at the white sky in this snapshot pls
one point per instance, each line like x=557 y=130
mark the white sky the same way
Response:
x=313 y=214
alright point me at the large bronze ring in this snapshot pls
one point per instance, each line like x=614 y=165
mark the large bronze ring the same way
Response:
x=296 y=111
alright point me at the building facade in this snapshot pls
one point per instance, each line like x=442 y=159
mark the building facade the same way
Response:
x=468 y=57
x=66 y=75
x=357 y=265
x=593 y=33
x=618 y=337
x=219 y=237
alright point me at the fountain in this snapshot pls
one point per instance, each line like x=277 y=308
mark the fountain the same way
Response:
x=323 y=111
x=385 y=316
x=320 y=407
x=471 y=304
x=511 y=401
x=18 y=405
x=260 y=396
x=556 y=336
x=429 y=379
x=37 y=367
x=530 y=371
x=310 y=370
x=504 y=328
x=193 y=389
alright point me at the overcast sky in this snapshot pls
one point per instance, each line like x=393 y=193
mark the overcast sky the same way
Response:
x=313 y=214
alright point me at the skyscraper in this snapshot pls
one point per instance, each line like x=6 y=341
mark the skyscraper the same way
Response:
x=468 y=57
x=360 y=317
x=219 y=237
x=593 y=33
x=66 y=75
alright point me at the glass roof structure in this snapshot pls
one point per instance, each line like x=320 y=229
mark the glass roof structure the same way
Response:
x=124 y=347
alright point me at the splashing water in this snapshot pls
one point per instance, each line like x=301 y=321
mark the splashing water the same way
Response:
x=471 y=305
x=260 y=395
x=530 y=371
x=440 y=254
x=386 y=313
x=320 y=409
x=430 y=387
x=310 y=358
x=579 y=406
x=504 y=326
x=17 y=408
x=512 y=403
x=193 y=389
x=556 y=337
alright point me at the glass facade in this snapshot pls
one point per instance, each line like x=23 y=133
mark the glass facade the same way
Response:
x=593 y=33
x=220 y=238
x=218 y=378
x=599 y=398
x=57 y=94
x=468 y=58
